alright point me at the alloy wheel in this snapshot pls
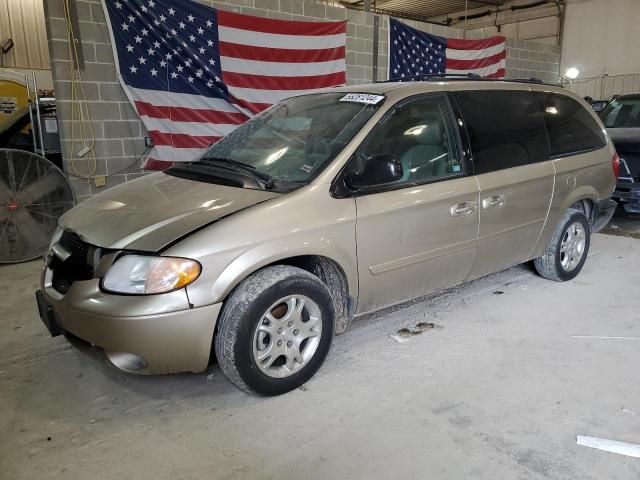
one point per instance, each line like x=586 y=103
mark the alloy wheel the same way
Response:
x=287 y=336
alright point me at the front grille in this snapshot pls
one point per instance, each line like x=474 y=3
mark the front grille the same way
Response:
x=72 y=243
x=75 y=267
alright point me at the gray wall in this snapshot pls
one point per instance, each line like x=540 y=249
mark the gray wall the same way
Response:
x=119 y=134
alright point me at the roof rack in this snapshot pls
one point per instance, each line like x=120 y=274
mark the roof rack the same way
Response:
x=465 y=76
x=432 y=76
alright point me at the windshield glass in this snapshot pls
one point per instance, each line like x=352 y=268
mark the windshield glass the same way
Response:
x=622 y=113
x=295 y=139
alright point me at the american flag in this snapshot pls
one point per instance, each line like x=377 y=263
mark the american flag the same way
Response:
x=413 y=52
x=194 y=73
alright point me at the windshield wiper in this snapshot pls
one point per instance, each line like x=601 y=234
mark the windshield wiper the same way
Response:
x=265 y=177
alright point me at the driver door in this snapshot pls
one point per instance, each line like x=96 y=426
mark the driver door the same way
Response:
x=418 y=234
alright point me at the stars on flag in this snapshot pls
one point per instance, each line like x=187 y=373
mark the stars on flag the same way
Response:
x=412 y=54
x=169 y=40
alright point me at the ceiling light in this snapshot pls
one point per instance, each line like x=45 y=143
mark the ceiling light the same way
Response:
x=572 y=73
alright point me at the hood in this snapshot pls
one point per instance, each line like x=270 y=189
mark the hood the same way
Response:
x=150 y=212
x=626 y=140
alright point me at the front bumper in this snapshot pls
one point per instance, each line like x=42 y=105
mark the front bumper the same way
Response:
x=151 y=334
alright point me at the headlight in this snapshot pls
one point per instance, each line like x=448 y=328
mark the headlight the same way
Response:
x=145 y=275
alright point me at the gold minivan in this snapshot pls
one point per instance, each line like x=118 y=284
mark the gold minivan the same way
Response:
x=325 y=207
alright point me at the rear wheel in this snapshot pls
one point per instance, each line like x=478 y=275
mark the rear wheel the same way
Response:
x=568 y=248
x=275 y=330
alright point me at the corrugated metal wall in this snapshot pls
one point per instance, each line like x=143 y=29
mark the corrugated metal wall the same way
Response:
x=602 y=88
x=23 y=20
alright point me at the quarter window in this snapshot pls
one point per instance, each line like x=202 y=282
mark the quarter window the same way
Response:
x=570 y=126
x=421 y=134
x=505 y=127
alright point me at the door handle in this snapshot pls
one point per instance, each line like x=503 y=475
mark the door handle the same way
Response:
x=463 y=209
x=493 y=201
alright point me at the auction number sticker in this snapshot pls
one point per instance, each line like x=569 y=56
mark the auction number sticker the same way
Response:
x=366 y=98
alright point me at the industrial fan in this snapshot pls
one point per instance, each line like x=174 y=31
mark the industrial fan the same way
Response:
x=34 y=193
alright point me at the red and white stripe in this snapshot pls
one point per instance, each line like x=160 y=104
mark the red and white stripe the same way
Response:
x=486 y=57
x=182 y=125
x=263 y=61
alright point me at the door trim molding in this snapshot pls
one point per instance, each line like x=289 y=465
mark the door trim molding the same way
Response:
x=422 y=257
x=510 y=229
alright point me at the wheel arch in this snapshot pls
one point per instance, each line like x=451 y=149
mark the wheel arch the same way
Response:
x=586 y=206
x=334 y=277
x=335 y=269
x=582 y=198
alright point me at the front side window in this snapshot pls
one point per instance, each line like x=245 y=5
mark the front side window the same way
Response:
x=295 y=139
x=505 y=127
x=623 y=112
x=421 y=134
x=570 y=126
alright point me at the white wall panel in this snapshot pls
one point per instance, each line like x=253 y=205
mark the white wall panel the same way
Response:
x=23 y=20
x=601 y=36
x=602 y=88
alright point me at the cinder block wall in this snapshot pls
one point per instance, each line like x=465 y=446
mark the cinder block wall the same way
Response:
x=119 y=133
x=526 y=59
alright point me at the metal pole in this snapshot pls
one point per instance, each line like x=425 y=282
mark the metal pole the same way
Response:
x=33 y=126
x=561 y=17
x=376 y=35
x=466 y=9
x=35 y=88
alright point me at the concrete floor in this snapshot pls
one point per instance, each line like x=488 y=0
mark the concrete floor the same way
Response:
x=624 y=224
x=499 y=391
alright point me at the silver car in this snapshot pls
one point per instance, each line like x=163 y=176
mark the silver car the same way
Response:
x=323 y=208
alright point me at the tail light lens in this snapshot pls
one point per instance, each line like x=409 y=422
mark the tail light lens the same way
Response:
x=615 y=161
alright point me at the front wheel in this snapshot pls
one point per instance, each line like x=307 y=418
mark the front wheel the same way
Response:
x=275 y=330
x=568 y=248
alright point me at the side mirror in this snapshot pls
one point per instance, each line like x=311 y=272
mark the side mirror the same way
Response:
x=379 y=169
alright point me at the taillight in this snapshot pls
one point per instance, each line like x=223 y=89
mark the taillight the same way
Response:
x=615 y=161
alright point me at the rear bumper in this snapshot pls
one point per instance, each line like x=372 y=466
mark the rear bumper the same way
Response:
x=627 y=192
x=602 y=214
x=152 y=334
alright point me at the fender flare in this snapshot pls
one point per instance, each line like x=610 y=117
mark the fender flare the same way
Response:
x=269 y=253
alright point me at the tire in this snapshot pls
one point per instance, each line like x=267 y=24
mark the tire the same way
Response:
x=558 y=265
x=240 y=344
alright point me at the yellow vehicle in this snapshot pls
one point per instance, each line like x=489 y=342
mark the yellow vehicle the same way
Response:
x=13 y=93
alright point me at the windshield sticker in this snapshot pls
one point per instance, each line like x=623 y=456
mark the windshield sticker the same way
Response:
x=306 y=168
x=365 y=98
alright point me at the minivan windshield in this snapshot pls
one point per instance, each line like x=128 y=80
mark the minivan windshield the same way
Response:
x=292 y=142
x=623 y=112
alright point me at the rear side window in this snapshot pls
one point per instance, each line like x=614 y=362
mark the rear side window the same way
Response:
x=571 y=127
x=505 y=127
